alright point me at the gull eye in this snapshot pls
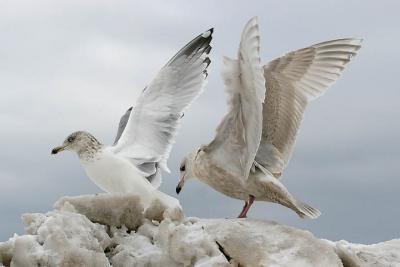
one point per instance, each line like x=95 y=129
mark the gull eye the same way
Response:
x=70 y=139
x=182 y=168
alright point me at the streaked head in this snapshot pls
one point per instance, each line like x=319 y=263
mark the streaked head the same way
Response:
x=186 y=170
x=78 y=141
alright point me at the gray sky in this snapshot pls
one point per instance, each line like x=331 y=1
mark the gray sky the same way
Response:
x=77 y=65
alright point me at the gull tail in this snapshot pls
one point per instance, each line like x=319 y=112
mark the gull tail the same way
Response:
x=305 y=210
x=276 y=192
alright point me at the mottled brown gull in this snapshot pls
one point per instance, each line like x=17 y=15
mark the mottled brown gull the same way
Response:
x=254 y=141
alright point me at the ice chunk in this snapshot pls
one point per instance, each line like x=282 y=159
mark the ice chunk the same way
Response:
x=108 y=209
x=377 y=255
x=105 y=229
x=264 y=243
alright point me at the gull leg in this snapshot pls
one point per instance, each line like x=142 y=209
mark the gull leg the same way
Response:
x=246 y=207
x=241 y=215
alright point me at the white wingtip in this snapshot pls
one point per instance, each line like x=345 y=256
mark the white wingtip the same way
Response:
x=250 y=48
x=306 y=210
x=253 y=20
x=207 y=33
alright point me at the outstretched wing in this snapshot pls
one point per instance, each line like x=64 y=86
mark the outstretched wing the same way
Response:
x=291 y=82
x=152 y=124
x=238 y=135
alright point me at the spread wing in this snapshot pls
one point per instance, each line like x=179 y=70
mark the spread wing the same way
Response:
x=149 y=132
x=292 y=81
x=238 y=135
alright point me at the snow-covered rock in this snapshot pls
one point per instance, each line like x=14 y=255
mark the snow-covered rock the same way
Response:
x=114 y=230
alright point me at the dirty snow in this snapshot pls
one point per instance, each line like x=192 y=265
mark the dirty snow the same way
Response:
x=114 y=230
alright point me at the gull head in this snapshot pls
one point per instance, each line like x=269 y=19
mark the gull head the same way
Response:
x=186 y=170
x=81 y=142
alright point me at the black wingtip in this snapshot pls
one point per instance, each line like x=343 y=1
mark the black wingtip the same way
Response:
x=208 y=49
x=207 y=61
x=199 y=44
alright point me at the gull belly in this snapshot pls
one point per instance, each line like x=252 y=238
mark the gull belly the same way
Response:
x=115 y=174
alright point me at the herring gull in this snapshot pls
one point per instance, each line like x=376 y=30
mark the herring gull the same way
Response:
x=147 y=131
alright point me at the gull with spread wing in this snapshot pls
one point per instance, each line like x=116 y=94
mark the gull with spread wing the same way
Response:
x=255 y=140
x=147 y=131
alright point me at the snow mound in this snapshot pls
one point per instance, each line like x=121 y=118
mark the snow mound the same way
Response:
x=57 y=239
x=378 y=255
x=114 y=230
x=106 y=209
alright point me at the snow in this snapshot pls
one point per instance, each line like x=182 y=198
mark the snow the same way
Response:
x=377 y=255
x=270 y=244
x=58 y=239
x=114 y=230
x=106 y=209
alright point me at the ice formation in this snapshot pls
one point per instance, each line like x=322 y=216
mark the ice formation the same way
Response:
x=114 y=230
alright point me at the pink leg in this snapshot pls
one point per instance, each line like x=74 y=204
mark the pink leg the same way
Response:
x=241 y=215
x=246 y=207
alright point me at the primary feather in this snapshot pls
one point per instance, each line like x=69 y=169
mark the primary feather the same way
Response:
x=149 y=132
x=238 y=135
x=255 y=139
x=292 y=81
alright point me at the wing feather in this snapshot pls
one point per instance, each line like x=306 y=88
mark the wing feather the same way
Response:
x=152 y=124
x=238 y=135
x=122 y=124
x=292 y=81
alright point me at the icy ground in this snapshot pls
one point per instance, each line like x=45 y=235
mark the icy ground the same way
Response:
x=114 y=230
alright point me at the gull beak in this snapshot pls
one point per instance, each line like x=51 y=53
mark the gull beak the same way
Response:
x=180 y=184
x=58 y=149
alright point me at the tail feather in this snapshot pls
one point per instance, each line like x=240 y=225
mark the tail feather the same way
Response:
x=305 y=210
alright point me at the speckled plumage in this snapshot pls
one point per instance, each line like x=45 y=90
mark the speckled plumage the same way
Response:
x=263 y=186
x=87 y=147
x=255 y=139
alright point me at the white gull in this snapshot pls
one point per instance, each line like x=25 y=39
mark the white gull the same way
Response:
x=147 y=131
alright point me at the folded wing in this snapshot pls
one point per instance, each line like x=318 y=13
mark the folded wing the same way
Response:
x=149 y=132
x=292 y=81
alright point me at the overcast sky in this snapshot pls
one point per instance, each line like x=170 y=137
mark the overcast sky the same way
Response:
x=77 y=65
